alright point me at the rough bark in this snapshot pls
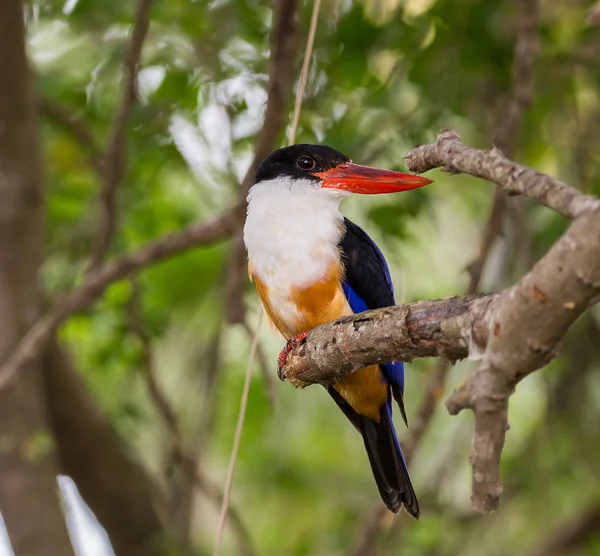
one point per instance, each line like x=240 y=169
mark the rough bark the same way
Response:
x=450 y=153
x=97 y=280
x=441 y=328
x=509 y=118
x=514 y=333
x=531 y=318
x=526 y=327
x=28 y=489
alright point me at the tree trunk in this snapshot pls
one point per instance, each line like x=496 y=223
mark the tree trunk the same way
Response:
x=119 y=492
x=28 y=489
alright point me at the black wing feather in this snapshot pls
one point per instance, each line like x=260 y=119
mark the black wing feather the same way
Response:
x=368 y=275
x=368 y=285
x=366 y=269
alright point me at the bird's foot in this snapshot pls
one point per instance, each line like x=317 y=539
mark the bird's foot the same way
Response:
x=289 y=346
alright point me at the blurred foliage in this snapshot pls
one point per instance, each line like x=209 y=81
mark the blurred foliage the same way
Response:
x=385 y=75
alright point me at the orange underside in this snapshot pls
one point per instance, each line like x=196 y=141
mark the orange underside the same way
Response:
x=317 y=304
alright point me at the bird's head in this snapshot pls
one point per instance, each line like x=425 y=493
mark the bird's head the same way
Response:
x=322 y=168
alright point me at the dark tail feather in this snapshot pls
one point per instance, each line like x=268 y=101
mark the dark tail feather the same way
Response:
x=387 y=463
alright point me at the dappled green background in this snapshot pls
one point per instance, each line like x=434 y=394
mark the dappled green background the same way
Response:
x=385 y=75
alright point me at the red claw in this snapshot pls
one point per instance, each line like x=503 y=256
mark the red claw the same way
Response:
x=289 y=346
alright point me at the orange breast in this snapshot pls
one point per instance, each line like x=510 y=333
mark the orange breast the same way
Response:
x=300 y=309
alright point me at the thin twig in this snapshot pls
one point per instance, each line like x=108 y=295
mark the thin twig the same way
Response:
x=526 y=51
x=115 y=156
x=314 y=18
x=77 y=128
x=184 y=458
x=255 y=340
x=98 y=280
x=434 y=392
x=181 y=496
x=214 y=493
x=491 y=232
x=237 y=439
x=136 y=325
x=378 y=518
x=211 y=359
x=266 y=374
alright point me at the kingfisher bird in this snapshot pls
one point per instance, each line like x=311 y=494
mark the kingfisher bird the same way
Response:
x=311 y=265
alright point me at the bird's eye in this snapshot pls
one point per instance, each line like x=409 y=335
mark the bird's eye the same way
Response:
x=306 y=163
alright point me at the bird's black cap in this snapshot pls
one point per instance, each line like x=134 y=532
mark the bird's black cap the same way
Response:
x=299 y=161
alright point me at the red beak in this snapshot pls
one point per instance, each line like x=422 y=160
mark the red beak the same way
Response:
x=363 y=179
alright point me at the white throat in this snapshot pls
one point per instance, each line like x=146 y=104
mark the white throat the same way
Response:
x=292 y=231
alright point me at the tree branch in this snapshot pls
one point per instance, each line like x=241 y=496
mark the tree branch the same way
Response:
x=508 y=122
x=507 y=127
x=526 y=50
x=527 y=326
x=450 y=153
x=284 y=45
x=265 y=368
x=442 y=328
x=514 y=333
x=114 y=167
x=98 y=280
x=29 y=500
x=77 y=128
x=525 y=54
x=491 y=231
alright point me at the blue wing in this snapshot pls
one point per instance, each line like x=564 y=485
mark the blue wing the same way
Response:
x=368 y=285
x=394 y=370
